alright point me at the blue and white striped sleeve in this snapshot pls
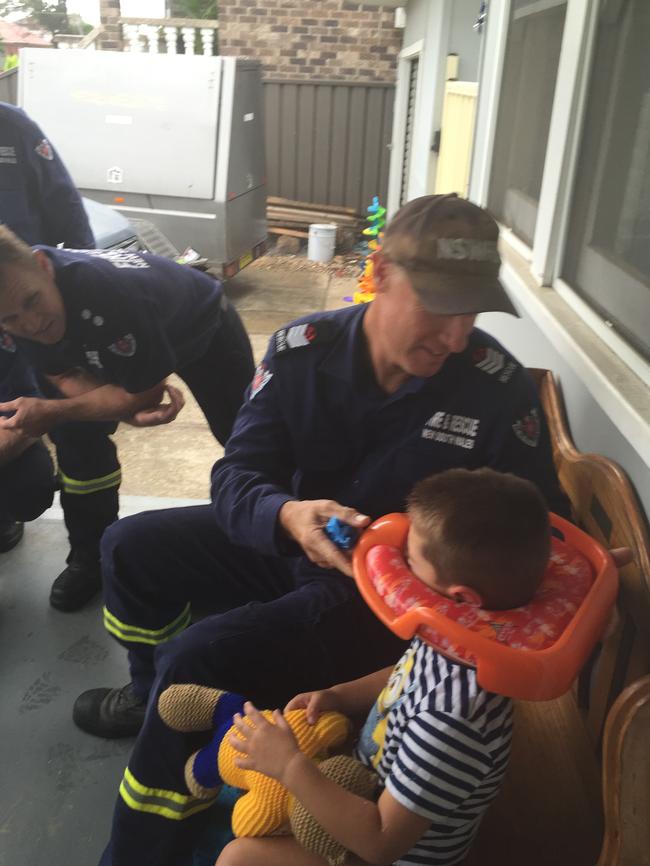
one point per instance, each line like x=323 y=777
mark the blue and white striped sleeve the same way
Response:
x=441 y=761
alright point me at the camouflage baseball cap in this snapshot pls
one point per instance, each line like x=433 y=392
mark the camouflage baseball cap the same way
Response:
x=448 y=247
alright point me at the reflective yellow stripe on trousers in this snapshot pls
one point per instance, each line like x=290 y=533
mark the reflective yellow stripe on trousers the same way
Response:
x=152 y=636
x=158 y=801
x=92 y=485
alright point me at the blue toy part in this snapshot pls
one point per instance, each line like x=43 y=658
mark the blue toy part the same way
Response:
x=206 y=762
x=341 y=534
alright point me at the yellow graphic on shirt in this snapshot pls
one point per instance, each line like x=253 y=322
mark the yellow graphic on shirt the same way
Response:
x=392 y=693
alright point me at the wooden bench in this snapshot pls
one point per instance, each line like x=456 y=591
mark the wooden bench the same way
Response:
x=577 y=791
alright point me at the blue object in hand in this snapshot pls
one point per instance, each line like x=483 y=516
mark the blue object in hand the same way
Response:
x=341 y=534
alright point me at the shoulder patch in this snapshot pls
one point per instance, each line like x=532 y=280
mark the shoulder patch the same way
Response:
x=44 y=149
x=527 y=428
x=7 y=342
x=305 y=334
x=297 y=335
x=494 y=363
x=261 y=378
x=125 y=346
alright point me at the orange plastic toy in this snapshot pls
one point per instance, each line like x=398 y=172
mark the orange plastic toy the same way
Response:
x=512 y=654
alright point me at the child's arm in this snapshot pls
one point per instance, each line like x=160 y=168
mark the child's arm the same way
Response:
x=354 y=698
x=378 y=833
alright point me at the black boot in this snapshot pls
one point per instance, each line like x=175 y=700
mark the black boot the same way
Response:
x=109 y=713
x=79 y=581
x=10 y=534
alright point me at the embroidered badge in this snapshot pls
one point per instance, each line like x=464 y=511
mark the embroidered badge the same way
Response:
x=92 y=356
x=44 y=149
x=448 y=429
x=528 y=428
x=291 y=338
x=489 y=360
x=125 y=346
x=261 y=378
x=7 y=342
x=7 y=155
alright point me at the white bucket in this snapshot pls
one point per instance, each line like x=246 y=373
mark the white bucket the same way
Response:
x=322 y=240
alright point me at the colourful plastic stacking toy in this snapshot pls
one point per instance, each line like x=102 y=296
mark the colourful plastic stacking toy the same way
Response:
x=377 y=220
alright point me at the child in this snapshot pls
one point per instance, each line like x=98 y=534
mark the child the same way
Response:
x=439 y=742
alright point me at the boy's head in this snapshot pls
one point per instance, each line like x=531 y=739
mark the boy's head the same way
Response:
x=31 y=305
x=479 y=536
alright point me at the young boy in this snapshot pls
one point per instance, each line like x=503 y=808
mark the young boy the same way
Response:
x=439 y=742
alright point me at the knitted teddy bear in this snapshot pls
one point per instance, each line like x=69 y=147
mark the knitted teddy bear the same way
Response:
x=267 y=805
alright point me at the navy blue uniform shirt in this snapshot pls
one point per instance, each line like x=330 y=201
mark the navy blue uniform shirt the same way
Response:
x=38 y=199
x=315 y=425
x=132 y=318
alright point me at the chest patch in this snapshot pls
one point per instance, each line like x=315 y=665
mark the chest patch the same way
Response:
x=125 y=346
x=7 y=155
x=447 y=429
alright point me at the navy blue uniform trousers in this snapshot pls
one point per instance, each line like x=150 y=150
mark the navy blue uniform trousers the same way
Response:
x=84 y=453
x=27 y=485
x=265 y=634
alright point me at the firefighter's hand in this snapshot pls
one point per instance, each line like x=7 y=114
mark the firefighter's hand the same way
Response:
x=32 y=416
x=305 y=523
x=163 y=413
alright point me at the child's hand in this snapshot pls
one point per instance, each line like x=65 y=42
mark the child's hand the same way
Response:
x=266 y=747
x=315 y=703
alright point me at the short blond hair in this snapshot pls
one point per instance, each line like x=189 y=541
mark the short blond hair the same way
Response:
x=487 y=530
x=14 y=251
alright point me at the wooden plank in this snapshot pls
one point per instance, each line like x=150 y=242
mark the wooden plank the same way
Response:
x=275 y=201
x=311 y=216
x=291 y=233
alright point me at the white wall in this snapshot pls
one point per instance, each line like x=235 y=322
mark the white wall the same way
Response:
x=591 y=428
x=440 y=27
x=464 y=40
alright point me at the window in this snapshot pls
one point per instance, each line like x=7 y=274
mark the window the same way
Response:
x=525 y=104
x=607 y=257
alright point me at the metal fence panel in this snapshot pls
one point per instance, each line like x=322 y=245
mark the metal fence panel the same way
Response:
x=328 y=142
x=9 y=87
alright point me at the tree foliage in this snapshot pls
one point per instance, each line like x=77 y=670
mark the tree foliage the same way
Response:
x=49 y=16
x=194 y=9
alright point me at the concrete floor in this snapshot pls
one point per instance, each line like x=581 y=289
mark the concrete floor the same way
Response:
x=175 y=460
x=59 y=783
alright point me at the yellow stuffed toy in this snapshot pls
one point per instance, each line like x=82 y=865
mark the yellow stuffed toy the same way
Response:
x=265 y=806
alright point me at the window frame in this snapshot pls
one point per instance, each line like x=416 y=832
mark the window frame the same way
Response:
x=560 y=165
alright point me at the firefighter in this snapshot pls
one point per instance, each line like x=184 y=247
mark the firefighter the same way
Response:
x=346 y=412
x=106 y=328
x=40 y=203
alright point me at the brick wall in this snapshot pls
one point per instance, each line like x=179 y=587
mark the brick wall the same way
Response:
x=111 y=38
x=324 y=39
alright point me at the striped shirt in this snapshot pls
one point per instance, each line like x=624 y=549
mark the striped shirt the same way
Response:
x=440 y=745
